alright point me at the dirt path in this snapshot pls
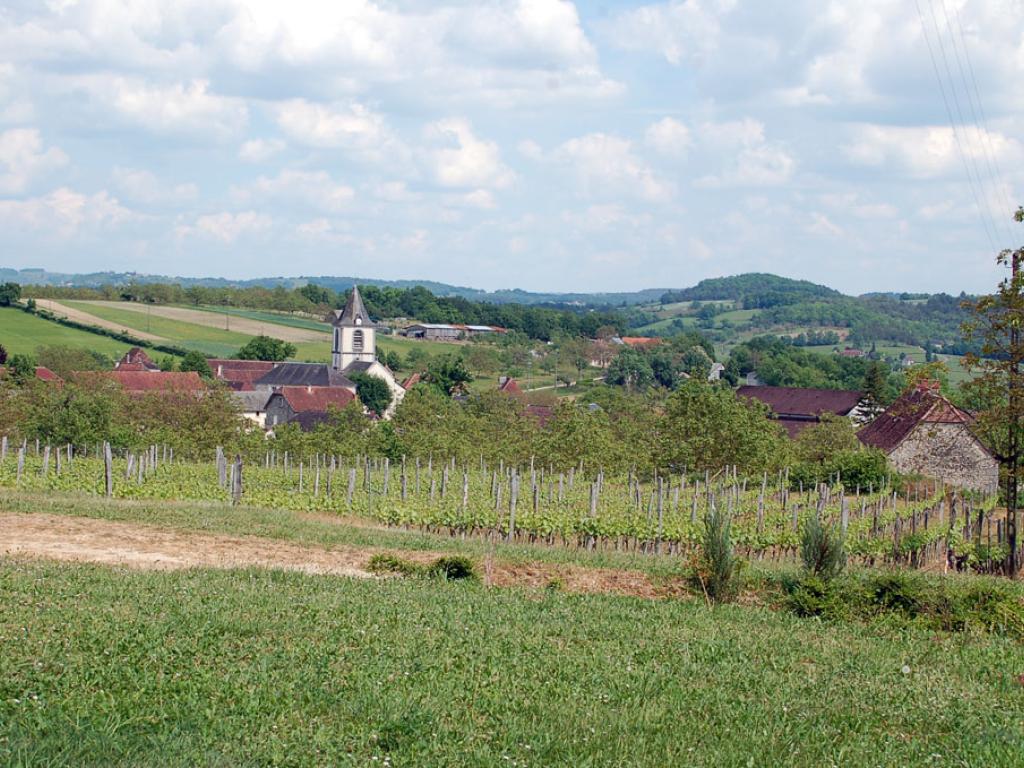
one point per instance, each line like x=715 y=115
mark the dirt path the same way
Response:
x=84 y=539
x=237 y=324
x=62 y=310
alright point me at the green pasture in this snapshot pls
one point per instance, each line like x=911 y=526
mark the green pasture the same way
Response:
x=21 y=333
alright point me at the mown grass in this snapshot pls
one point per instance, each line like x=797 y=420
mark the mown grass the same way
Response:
x=115 y=667
x=209 y=341
x=22 y=333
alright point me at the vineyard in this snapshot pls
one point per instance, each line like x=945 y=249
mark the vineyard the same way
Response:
x=659 y=515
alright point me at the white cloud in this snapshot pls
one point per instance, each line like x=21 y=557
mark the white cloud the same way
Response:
x=23 y=158
x=313 y=189
x=353 y=127
x=480 y=198
x=461 y=159
x=681 y=30
x=142 y=186
x=820 y=224
x=606 y=165
x=393 y=192
x=189 y=108
x=64 y=211
x=669 y=137
x=748 y=159
x=927 y=151
x=259 y=150
x=227 y=227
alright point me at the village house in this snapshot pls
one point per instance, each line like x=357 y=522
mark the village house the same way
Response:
x=240 y=375
x=136 y=359
x=924 y=433
x=797 y=408
x=162 y=382
x=289 y=404
x=252 y=404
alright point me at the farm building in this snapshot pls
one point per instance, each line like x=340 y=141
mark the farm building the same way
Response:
x=136 y=359
x=797 y=408
x=923 y=433
x=638 y=342
x=448 y=332
x=252 y=404
x=288 y=403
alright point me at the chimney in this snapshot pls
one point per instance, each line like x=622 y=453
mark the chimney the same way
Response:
x=927 y=385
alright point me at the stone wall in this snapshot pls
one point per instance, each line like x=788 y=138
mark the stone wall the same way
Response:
x=947 y=452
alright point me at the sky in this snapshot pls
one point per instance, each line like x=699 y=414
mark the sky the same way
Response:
x=535 y=144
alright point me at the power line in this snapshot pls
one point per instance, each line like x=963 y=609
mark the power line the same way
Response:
x=971 y=158
x=952 y=124
x=995 y=168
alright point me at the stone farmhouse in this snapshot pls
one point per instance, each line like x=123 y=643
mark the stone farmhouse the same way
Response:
x=924 y=433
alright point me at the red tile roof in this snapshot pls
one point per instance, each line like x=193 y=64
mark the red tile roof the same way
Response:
x=803 y=401
x=157 y=381
x=136 y=359
x=509 y=386
x=542 y=413
x=641 y=342
x=412 y=381
x=303 y=399
x=240 y=374
x=921 y=405
x=42 y=373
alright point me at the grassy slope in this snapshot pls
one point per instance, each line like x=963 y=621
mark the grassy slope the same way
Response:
x=21 y=333
x=119 y=667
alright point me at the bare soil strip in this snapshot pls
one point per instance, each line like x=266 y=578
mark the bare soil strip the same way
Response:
x=242 y=325
x=134 y=545
x=79 y=316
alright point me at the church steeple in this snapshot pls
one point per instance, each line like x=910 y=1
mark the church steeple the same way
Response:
x=354 y=334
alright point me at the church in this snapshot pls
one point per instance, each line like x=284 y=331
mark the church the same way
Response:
x=354 y=350
x=355 y=347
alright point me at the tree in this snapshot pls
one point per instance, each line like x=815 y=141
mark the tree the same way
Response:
x=22 y=368
x=64 y=360
x=373 y=392
x=196 y=361
x=3 y=354
x=10 y=293
x=449 y=374
x=630 y=369
x=266 y=348
x=874 y=387
x=819 y=442
x=390 y=358
x=996 y=321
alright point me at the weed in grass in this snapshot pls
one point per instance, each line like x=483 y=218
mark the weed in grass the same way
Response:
x=453 y=568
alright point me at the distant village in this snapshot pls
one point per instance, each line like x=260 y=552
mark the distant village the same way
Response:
x=922 y=432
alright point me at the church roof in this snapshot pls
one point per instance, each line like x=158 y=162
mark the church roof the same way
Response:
x=354 y=314
x=303 y=375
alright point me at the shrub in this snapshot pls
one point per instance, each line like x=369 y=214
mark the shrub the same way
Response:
x=813 y=596
x=897 y=591
x=822 y=550
x=453 y=568
x=719 y=567
x=383 y=562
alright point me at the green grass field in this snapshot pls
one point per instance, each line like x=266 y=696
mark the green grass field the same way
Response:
x=113 y=666
x=210 y=341
x=22 y=333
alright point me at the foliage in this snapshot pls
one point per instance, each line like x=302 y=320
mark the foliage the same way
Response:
x=64 y=360
x=10 y=293
x=822 y=549
x=630 y=369
x=856 y=468
x=21 y=369
x=266 y=348
x=708 y=427
x=453 y=568
x=751 y=290
x=3 y=354
x=822 y=440
x=996 y=323
x=196 y=361
x=448 y=374
x=372 y=391
x=719 y=568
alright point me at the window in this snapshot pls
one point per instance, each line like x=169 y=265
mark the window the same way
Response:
x=337 y=339
x=357 y=340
